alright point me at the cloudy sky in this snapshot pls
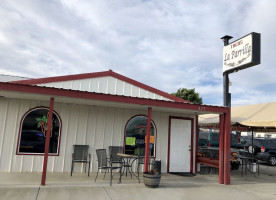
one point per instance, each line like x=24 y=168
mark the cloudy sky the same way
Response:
x=167 y=44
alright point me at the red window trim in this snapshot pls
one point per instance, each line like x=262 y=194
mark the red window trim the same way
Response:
x=20 y=128
x=155 y=139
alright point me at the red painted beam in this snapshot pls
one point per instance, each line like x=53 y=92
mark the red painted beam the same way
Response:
x=46 y=150
x=227 y=146
x=221 y=149
x=196 y=143
x=108 y=97
x=192 y=147
x=148 y=140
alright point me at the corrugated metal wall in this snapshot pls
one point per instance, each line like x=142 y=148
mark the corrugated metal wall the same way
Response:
x=98 y=127
x=106 y=85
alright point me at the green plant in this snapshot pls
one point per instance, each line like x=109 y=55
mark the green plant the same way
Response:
x=42 y=123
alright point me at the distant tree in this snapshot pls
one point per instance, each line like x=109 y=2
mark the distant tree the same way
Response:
x=189 y=95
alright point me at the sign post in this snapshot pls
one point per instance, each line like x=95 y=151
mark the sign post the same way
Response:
x=238 y=55
x=226 y=94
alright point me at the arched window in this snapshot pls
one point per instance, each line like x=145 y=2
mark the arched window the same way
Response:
x=33 y=130
x=135 y=136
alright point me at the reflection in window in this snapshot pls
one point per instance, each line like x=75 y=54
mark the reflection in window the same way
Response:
x=135 y=135
x=33 y=132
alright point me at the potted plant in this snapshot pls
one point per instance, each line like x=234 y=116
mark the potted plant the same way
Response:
x=152 y=178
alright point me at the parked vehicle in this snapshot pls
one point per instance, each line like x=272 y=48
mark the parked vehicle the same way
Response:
x=263 y=149
x=211 y=139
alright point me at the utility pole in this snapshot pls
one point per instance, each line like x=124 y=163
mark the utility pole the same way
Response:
x=226 y=94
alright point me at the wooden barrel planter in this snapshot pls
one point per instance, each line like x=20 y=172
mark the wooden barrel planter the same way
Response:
x=151 y=180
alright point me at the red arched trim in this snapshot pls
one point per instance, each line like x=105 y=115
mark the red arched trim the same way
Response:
x=20 y=128
x=155 y=139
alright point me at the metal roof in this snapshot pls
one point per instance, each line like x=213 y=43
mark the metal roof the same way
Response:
x=9 y=78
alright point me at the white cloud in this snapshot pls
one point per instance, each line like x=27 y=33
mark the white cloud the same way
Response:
x=165 y=44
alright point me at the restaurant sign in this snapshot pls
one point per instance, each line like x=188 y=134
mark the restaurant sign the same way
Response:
x=242 y=53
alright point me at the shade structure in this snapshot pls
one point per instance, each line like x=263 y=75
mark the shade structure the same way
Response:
x=257 y=115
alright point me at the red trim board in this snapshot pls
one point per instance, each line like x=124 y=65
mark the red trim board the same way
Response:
x=107 y=97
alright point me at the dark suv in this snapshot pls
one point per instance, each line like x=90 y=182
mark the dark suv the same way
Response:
x=263 y=149
x=211 y=139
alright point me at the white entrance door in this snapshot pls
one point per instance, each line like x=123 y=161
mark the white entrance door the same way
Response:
x=180 y=145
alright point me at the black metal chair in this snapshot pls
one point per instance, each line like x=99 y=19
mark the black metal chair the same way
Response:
x=113 y=151
x=115 y=159
x=140 y=159
x=104 y=163
x=81 y=155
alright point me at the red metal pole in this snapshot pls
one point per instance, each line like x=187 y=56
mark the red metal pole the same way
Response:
x=148 y=140
x=227 y=146
x=196 y=143
x=46 y=150
x=221 y=149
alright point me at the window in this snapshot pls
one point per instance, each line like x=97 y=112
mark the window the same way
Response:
x=33 y=132
x=135 y=136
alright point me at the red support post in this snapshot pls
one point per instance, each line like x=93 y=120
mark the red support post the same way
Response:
x=196 y=143
x=148 y=140
x=221 y=148
x=46 y=149
x=227 y=147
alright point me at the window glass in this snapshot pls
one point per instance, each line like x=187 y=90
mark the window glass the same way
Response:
x=271 y=143
x=135 y=135
x=33 y=132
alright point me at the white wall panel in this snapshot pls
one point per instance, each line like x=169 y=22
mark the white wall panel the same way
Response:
x=150 y=95
x=64 y=114
x=91 y=135
x=18 y=160
x=4 y=107
x=106 y=85
x=127 y=90
x=135 y=91
x=10 y=129
x=71 y=134
x=94 y=85
x=103 y=85
x=120 y=87
x=111 y=85
x=76 y=85
x=84 y=86
x=99 y=127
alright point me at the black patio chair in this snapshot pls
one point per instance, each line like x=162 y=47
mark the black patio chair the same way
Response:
x=113 y=151
x=81 y=155
x=140 y=159
x=104 y=163
x=115 y=159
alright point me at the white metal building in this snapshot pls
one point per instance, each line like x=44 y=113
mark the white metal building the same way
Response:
x=96 y=109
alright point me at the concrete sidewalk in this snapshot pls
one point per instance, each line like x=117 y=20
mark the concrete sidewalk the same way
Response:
x=61 y=186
